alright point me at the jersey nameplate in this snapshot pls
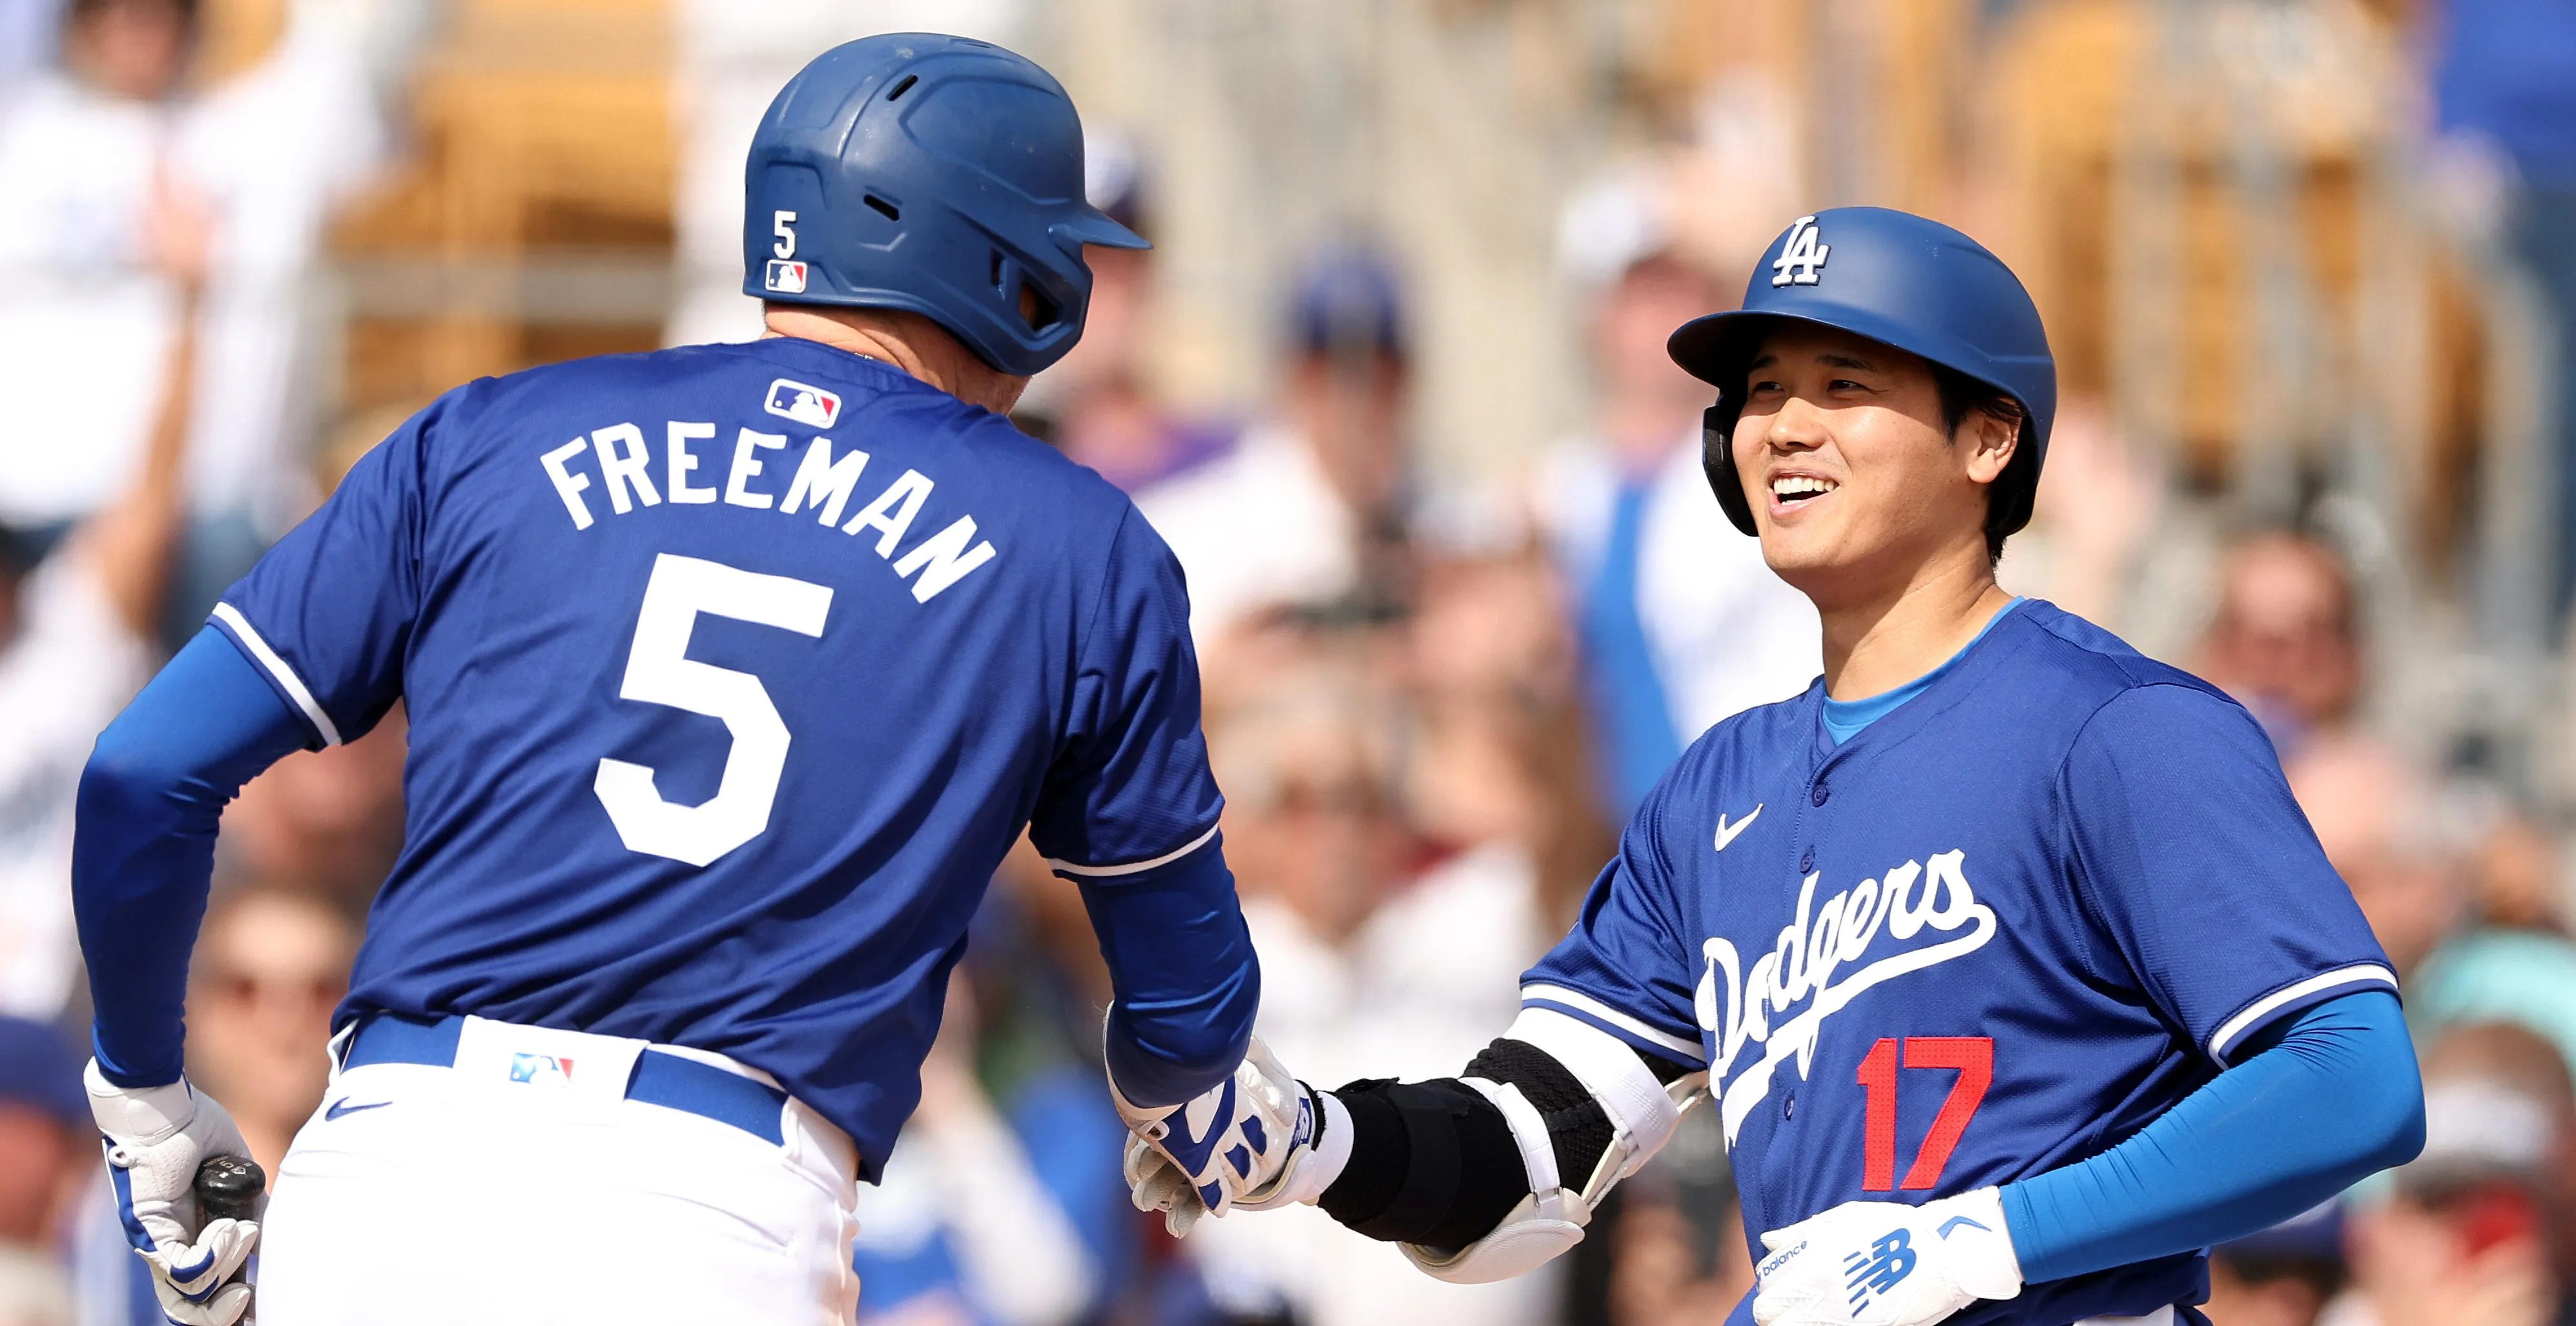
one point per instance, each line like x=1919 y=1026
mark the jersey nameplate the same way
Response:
x=622 y=460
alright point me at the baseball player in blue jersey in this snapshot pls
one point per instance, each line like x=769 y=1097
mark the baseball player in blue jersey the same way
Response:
x=732 y=672
x=2012 y=970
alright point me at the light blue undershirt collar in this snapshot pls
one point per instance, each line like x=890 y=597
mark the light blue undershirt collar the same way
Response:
x=1845 y=718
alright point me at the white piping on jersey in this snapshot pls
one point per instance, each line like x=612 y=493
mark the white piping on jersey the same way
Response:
x=1134 y=867
x=2357 y=974
x=286 y=679
x=1840 y=932
x=1591 y=1007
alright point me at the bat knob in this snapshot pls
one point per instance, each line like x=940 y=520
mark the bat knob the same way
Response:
x=228 y=1187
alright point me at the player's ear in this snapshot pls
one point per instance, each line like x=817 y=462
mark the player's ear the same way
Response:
x=1992 y=437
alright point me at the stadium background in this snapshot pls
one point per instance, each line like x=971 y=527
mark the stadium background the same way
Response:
x=1391 y=383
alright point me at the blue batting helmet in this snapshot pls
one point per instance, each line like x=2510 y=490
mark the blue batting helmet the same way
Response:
x=934 y=174
x=1895 y=278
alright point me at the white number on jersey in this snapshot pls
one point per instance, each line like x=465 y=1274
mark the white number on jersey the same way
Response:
x=659 y=671
x=1802 y=256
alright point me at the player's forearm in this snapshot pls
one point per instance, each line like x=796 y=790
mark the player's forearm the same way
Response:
x=2335 y=1097
x=1183 y=972
x=1442 y=1164
x=143 y=849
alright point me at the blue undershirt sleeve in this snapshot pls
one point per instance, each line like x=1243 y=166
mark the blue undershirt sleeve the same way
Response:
x=143 y=846
x=1182 y=967
x=2319 y=1102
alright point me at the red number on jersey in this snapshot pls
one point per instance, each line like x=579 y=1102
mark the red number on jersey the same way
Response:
x=1972 y=1057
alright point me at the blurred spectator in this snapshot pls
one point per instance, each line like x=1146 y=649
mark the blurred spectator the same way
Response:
x=1373 y=960
x=1096 y=404
x=45 y=1156
x=1682 y=623
x=963 y=1227
x=2504 y=91
x=1496 y=754
x=76 y=632
x=27 y=34
x=2500 y=972
x=2098 y=499
x=90 y=157
x=2378 y=818
x=1310 y=509
x=2284 y=1276
x=2478 y=1228
x=328 y=822
x=1680 y=1256
x=270 y=966
x=2285 y=641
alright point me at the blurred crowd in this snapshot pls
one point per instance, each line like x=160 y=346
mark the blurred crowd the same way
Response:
x=1433 y=691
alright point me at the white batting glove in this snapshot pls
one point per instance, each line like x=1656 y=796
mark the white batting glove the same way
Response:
x=155 y=1138
x=1241 y=1143
x=1887 y=1263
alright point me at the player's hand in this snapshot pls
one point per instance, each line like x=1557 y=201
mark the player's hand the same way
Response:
x=155 y=1138
x=1887 y=1263
x=1242 y=1143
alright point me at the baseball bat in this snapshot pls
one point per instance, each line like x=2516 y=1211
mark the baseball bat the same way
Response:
x=228 y=1188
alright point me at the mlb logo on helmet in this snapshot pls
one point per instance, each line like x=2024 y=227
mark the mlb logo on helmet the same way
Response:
x=811 y=406
x=545 y=1068
x=785 y=277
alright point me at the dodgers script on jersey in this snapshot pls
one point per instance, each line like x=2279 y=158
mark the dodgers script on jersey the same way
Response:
x=732 y=673
x=1995 y=932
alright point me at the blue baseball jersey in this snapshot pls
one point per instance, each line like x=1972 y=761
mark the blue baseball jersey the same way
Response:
x=732 y=672
x=1996 y=932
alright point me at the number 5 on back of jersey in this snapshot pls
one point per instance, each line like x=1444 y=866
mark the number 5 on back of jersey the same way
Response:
x=659 y=671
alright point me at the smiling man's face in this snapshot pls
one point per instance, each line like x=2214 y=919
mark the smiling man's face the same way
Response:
x=1853 y=477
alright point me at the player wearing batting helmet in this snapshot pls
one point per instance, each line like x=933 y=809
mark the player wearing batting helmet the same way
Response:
x=732 y=673
x=2014 y=974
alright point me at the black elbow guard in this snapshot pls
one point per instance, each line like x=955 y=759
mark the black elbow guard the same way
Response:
x=1435 y=1163
x=1432 y=1163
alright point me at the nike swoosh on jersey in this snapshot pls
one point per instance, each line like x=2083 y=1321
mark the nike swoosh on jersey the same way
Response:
x=1726 y=832
x=342 y=1106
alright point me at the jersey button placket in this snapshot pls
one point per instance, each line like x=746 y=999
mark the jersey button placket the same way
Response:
x=1817 y=797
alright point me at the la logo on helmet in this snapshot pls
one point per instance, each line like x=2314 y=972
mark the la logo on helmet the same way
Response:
x=1801 y=256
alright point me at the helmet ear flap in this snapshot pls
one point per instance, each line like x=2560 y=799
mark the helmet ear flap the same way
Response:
x=1717 y=460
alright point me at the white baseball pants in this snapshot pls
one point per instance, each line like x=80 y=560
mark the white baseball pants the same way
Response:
x=484 y=1192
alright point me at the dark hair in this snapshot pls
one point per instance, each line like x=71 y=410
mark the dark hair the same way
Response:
x=2009 y=497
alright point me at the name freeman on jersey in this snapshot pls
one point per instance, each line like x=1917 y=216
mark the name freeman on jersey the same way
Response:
x=822 y=484
x=1803 y=963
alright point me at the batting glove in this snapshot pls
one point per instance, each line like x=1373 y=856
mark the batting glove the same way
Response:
x=1887 y=1263
x=1242 y=1143
x=155 y=1138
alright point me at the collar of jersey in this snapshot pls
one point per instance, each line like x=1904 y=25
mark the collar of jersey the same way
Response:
x=1927 y=696
x=830 y=359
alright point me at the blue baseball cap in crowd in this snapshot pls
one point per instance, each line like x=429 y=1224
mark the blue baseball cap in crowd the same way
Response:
x=1347 y=300
x=38 y=1069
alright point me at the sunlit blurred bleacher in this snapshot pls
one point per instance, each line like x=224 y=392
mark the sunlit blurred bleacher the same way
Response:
x=532 y=219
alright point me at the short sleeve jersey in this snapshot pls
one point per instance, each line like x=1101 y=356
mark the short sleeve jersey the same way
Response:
x=1996 y=932
x=732 y=672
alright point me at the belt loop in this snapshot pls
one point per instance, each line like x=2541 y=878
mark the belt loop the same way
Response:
x=338 y=1046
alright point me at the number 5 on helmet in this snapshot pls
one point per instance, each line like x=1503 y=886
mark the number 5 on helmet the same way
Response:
x=1241 y=1143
